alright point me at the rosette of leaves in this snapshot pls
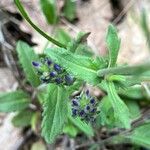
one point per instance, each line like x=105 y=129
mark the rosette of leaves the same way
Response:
x=85 y=107
x=50 y=72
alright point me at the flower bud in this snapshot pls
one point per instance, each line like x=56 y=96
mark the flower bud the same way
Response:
x=50 y=72
x=35 y=64
x=86 y=107
x=53 y=74
x=57 y=68
x=69 y=80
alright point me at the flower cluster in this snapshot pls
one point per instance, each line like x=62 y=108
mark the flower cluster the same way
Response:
x=50 y=72
x=85 y=107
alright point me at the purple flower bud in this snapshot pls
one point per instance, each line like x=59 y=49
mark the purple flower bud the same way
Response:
x=87 y=107
x=82 y=113
x=93 y=110
x=69 y=79
x=74 y=112
x=35 y=64
x=75 y=102
x=58 y=80
x=53 y=74
x=87 y=92
x=57 y=68
x=49 y=62
x=92 y=101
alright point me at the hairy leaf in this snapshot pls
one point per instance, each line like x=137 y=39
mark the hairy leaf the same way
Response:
x=142 y=69
x=49 y=10
x=81 y=67
x=85 y=128
x=23 y=118
x=134 y=109
x=134 y=92
x=13 y=101
x=121 y=111
x=26 y=56
x=55 y=112
x=106 y=116
x=141 y=135
x=113 y=44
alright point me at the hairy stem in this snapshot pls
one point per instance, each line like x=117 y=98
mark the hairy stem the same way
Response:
x=25 y=15
x=125 y=70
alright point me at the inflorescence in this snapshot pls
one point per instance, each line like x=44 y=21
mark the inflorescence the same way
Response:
x=85 y=107
x=50 y=72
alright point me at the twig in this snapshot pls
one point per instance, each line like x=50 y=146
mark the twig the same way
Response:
x=123 y=12
x=72 y=144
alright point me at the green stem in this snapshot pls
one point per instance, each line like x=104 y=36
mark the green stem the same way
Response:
x=25 y=15
x=125 y=70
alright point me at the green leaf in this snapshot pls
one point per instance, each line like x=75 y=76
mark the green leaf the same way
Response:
x=62 y=36
x=78 y=42
x=13 y=101
x=70 y=129
x=79 y=45
x=113 y=45
x=140 y=135
x=134 y=92
x=106 y=116
x=141 y=69
x=69 y=10
x=50 y=11
x=121 y=111
x=75 y=87
x=55 y=112
x=23 y=118
x=85 y=50
x=134 y=109
x=84 y=127
x=81 y=67
x=26 y=56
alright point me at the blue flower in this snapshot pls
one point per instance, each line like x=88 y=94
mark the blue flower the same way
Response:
x=53 y=74
x=84 y=106
x=92 y=101
x=75 y=102
x=58 y=80
x=35 y=64
x=50 y=72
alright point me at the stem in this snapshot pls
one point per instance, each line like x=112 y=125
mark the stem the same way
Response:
x=125 y=70
x=25 y=15
x=115 y=139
